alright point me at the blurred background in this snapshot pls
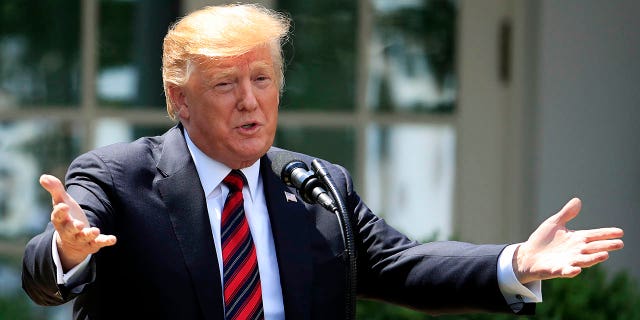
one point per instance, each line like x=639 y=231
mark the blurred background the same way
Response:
x=466 y=120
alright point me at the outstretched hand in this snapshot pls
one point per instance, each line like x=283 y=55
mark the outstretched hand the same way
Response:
x=75 y=238
x=553 y=251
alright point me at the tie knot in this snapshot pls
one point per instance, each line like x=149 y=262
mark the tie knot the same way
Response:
x=234 y=180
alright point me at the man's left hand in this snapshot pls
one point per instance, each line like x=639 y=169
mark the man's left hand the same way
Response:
x=553 y=251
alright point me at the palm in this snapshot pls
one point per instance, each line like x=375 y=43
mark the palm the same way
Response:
x=76 y=239
x=553 y=251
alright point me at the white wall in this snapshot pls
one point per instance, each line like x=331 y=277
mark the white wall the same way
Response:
x=588 y=116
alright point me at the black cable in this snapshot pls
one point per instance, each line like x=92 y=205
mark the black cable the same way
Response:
x=347 y=237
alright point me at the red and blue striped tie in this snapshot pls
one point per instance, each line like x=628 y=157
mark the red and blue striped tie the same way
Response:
x=242 y=291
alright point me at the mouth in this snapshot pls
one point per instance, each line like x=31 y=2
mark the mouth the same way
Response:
x=249 y=125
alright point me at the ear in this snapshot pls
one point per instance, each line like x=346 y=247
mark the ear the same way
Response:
x=179 y=101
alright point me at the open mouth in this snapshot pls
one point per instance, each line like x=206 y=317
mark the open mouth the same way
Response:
x=248 y=125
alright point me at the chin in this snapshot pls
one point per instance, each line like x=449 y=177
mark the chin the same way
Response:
x=252 y=156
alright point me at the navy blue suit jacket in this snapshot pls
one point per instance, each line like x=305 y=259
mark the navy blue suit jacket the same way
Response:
x=147 y=193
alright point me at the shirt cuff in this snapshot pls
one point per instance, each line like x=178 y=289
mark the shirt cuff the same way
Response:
x=73 y=276
x=514 y=292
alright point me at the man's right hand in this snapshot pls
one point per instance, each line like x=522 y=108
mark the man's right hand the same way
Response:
x=75 y=238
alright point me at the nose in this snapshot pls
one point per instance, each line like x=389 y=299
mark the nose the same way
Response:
x=246 y=96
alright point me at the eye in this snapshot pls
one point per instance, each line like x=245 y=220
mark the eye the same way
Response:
x=223 y=86
x=263 y=80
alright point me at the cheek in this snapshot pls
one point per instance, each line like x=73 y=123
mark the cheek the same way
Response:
x=271 y=106
x=272 y=118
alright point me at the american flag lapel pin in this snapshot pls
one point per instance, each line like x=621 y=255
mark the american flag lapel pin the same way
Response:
x=290 y=197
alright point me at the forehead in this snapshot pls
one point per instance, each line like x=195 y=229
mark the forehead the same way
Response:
x=255 y=59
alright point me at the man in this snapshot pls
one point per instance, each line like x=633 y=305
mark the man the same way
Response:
x=141 y=229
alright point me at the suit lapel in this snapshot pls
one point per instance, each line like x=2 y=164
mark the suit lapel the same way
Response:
x=290 y=225
x=184 y=198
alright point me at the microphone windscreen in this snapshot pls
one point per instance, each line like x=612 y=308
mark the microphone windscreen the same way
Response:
x=280 y=160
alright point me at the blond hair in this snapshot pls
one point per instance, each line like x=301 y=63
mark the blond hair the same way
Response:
x=218 y=32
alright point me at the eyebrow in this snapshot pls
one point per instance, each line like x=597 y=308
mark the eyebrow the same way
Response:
x=262 y=65
x=224 y=72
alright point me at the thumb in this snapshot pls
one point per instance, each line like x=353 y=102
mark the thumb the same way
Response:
x=569 y=211
x=54 y=186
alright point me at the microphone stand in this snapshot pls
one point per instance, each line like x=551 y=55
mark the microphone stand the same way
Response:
x=347 y=238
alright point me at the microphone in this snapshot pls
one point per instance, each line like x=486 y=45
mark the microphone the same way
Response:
x=295 y=173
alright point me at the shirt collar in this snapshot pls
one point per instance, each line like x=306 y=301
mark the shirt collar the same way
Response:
x=212 y=172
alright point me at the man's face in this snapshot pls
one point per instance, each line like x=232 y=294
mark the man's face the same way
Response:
x=230 y=107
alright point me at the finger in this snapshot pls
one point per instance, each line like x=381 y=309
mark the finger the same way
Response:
x=62 y=221
x=588 y=260
x=104 y=240
x=600 y=234
x=88 y=234
x=60 y=213
x=54 y=186
x=603 y=245
x=568 y=212
x=61 y=216
x=77 y=224
x=570 y=271
x=94 y=238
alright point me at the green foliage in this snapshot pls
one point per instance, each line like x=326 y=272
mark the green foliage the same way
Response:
x=593 y=295
x=17 y=306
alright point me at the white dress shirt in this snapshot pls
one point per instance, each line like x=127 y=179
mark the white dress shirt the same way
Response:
x=212 y=173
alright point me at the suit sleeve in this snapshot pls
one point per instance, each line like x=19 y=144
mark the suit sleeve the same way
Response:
x=39 y=271
x=436 y=277
x=85 y=183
